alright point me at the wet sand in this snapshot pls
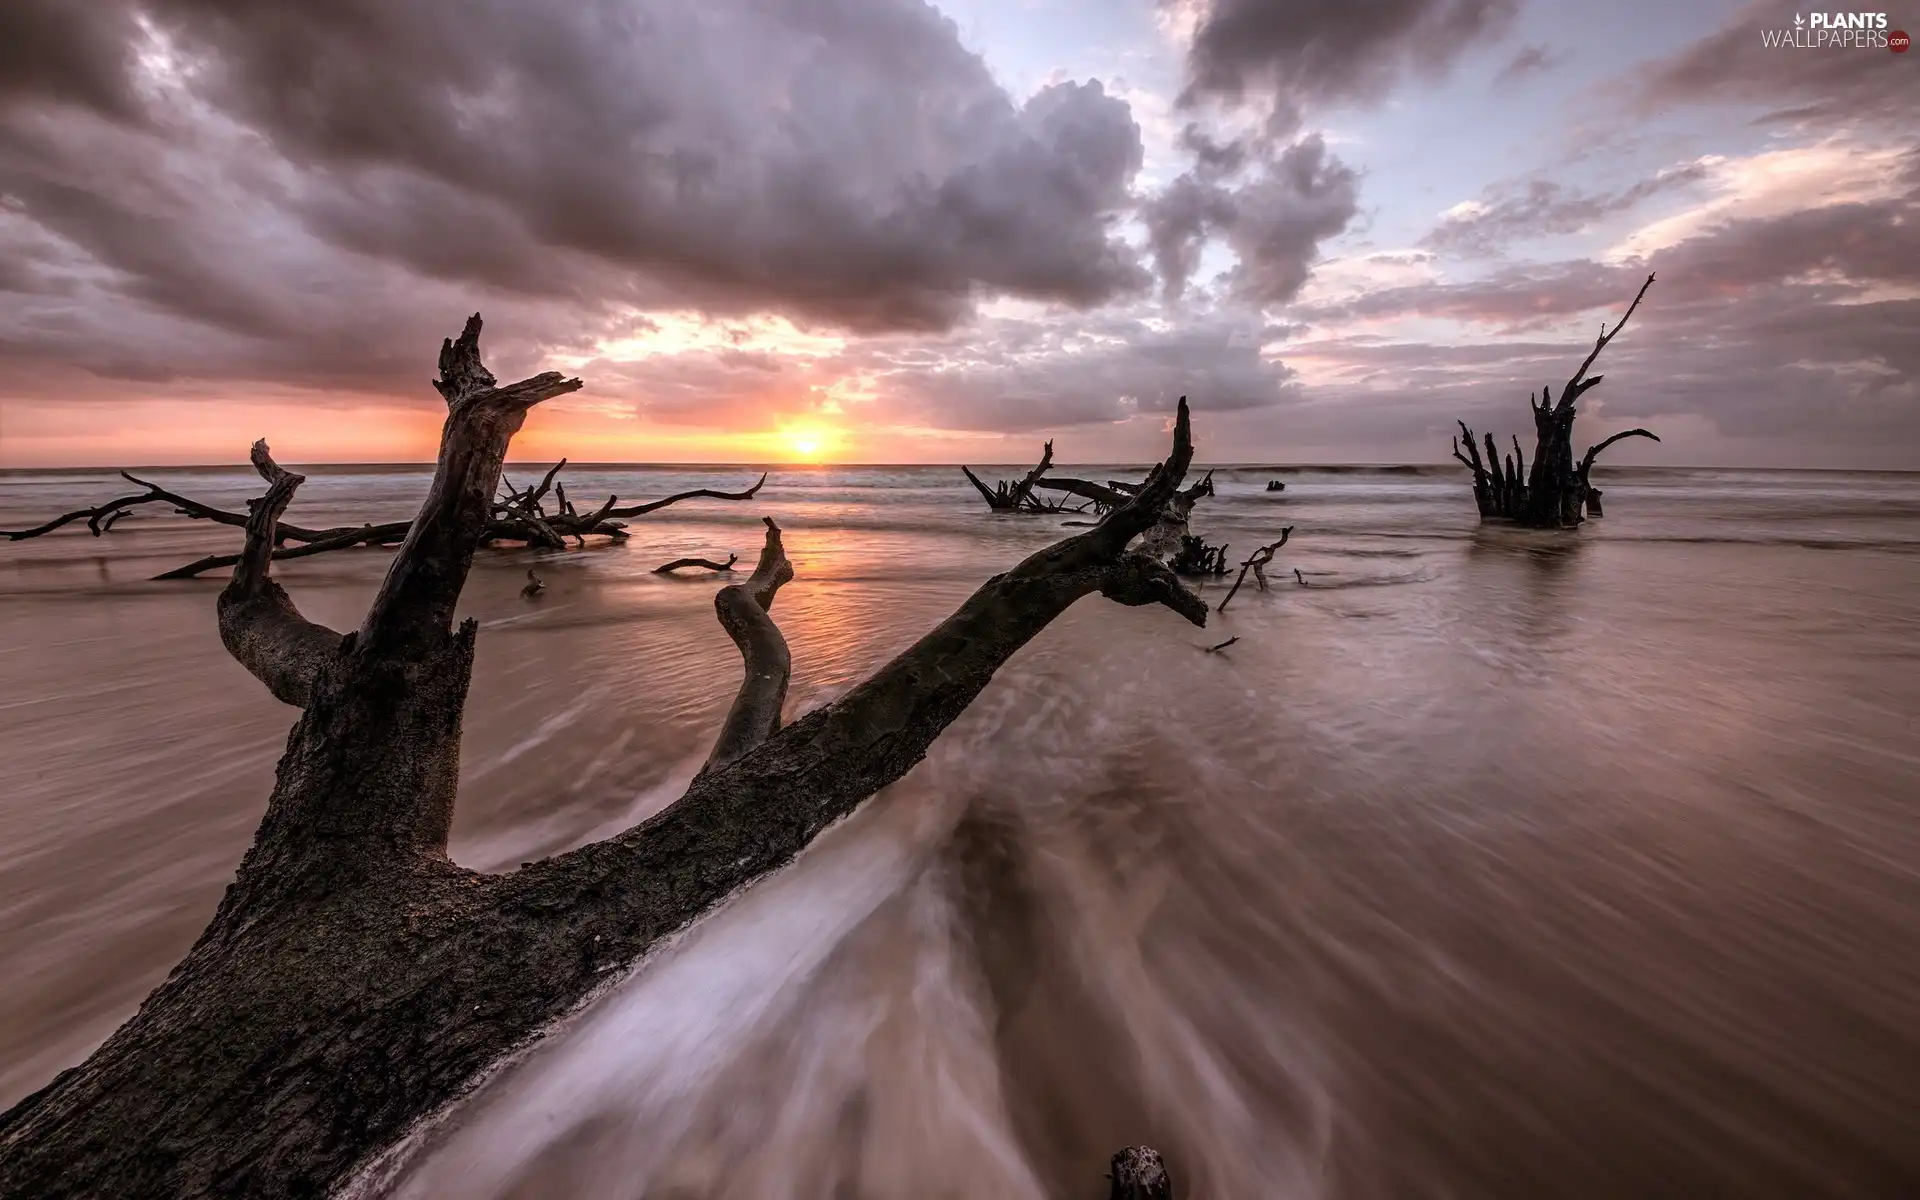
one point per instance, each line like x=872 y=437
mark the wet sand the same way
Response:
x=1490 y=864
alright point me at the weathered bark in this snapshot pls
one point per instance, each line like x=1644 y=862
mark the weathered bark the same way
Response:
x=1257 y=563
x=745 y=612
x=1138 y=1173
x=1014 y=496
x=1554 y=493
x=354 y=981
x=515 y=517
x=259 y=624
x=1164 y=540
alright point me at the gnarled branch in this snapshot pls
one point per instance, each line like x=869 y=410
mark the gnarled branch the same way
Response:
x=744 y=612
x=259 y=624
x=1257 y=563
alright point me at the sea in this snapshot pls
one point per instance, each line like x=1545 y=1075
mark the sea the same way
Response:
x=1484 y=863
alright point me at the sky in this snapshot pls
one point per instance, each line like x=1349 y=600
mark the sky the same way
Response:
x=894 y=231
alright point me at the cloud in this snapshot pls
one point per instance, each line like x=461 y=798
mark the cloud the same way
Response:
x=1543 y=207
x=301 y=192
x=1274 y=222
x=1530 y=61
x=1303 y=54
x=1797 y=85
x=1789 y=325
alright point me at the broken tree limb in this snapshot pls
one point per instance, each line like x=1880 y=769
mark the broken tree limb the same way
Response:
x=518 y=516
x=1553 y=493
x=705 y=564
x=354 y=981
x=1257 y=563
x=1105 y=499
x=1012 y=496
x=1584 y=472
x=259 y=624
x=744 y=612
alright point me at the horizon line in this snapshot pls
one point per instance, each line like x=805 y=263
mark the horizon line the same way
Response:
x=772 y=467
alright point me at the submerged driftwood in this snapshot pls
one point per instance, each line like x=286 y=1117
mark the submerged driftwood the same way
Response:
x=354 y=980
x=1555 y=493
x=514 y=516
x=1016 y=495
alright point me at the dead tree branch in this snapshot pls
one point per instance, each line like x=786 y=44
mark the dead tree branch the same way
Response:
x=705 y=564
x=1257 y=563
x=354 y=981
x=259 y=624
x=1014 y=496
x=517 y=516
x=744 y=611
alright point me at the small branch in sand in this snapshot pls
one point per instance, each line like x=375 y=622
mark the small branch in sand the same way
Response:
x=1223 y=645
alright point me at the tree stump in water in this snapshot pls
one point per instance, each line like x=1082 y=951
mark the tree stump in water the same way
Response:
x=1015 y=496
x=1554 y=494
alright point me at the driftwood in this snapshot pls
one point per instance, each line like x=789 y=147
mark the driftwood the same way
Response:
x=1197 y=559
x=354 y=981
x=1258 y=565
x=1553 y=493
x=1165 y=539
x=705 y=564
x=1016 y=496
x=515 y=516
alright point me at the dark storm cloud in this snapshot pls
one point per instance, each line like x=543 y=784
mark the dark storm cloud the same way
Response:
x=1733 y=66
x=256 y=185
x=1543 y=207
x=1303 y=53
x=1274 y=222
x=70 y=50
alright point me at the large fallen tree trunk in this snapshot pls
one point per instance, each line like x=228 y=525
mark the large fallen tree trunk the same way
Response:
x=515 y=516
x=354 y=980
x=1554 y=493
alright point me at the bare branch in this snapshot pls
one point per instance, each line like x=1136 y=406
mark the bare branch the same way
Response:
x=259 y=624
x=744 y=612
x=423 y=584
x=704 y=563
x=1256 y=562
x=754 y=813
x=641 y=510
x=1586 y=463
x=1573 y=390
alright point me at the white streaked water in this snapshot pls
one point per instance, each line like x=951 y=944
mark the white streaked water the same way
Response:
x=1488 y=863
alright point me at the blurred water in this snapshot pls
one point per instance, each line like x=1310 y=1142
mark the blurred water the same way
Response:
x=1489 y=863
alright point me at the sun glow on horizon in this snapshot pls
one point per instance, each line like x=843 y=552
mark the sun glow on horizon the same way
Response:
x=808 y=441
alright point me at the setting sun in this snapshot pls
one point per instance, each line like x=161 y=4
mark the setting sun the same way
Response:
x=809 y=442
